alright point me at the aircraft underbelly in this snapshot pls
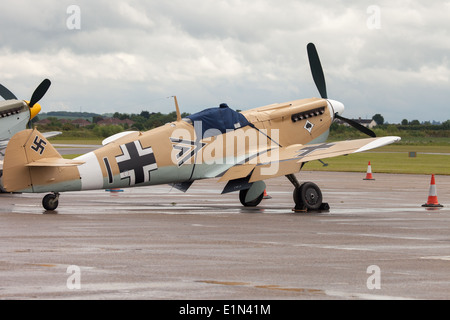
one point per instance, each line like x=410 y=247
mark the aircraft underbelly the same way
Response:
x=320 y=139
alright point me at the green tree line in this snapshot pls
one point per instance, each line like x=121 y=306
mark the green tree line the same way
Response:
x=408 y=130
x=142 y=122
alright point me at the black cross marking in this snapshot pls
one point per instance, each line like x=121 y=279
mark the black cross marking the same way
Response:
x=38 y=145
x=108 y=169
x=135 y=162
x=307 y=150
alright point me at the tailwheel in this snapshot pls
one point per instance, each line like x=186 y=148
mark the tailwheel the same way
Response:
x=50 y=201
x=308 y=197
x=253 y=203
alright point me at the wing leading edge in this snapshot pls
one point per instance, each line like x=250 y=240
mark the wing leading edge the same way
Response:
x=287 y=160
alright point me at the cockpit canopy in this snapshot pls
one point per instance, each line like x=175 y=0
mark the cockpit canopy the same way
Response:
x=214 y=121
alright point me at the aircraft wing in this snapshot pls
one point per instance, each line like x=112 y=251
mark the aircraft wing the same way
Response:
x=288 y=160
x=51 y=134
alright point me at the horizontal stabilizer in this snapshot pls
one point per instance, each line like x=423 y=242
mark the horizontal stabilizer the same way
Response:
x=54 y=162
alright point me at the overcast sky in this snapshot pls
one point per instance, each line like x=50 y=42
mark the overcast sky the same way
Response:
x=387 y=57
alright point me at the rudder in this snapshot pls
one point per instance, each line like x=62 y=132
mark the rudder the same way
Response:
x=25 y=147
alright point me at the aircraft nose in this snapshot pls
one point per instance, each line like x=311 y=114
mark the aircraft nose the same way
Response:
x=338 y=107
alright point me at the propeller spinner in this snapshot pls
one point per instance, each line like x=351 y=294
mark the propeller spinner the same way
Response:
x=319 y=80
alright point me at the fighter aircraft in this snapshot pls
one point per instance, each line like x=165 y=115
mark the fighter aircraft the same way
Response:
x=242 y=149
x=16 y=115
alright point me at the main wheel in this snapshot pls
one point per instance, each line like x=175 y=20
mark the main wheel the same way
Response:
x=253 y=203
x=50 y=202
x=308 y=196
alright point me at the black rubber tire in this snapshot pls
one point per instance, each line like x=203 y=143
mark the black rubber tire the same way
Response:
x=253 y=203
x=308 y=196
x=50 y=202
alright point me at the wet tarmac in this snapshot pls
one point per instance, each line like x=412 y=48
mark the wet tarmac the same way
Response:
x=376 y=242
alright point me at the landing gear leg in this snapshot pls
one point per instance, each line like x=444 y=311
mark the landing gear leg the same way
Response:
x=51 y=201
x=299 y=206
x=293 y=180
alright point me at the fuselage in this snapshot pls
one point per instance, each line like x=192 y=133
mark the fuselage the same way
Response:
x=179 y=151
x=14 y=117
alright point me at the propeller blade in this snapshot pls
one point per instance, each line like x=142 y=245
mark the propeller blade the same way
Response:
x=6 y=94
x=356 y=125
x=39 y=92
x=319 y=80
x=316 y=70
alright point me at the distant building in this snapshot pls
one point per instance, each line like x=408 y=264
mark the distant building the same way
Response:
x=80 y=122
x=83 y=122
x=43 y=122
x=368 y=123
x=128 y=121
x=115 y=121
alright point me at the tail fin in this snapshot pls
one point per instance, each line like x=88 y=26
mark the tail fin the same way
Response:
x=24 y=150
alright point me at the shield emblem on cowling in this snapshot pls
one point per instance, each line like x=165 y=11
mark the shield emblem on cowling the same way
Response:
x=308 y=126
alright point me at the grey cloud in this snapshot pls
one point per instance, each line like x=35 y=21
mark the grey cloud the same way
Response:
x=249 y=53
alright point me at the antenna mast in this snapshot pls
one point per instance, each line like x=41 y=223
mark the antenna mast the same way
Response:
x=178 y=109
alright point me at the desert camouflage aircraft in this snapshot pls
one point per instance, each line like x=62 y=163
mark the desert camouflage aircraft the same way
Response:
x=242 y=149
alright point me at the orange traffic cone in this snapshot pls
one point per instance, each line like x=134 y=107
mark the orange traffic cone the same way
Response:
x=266 y=196
x=432 y=195
x=369 y=173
